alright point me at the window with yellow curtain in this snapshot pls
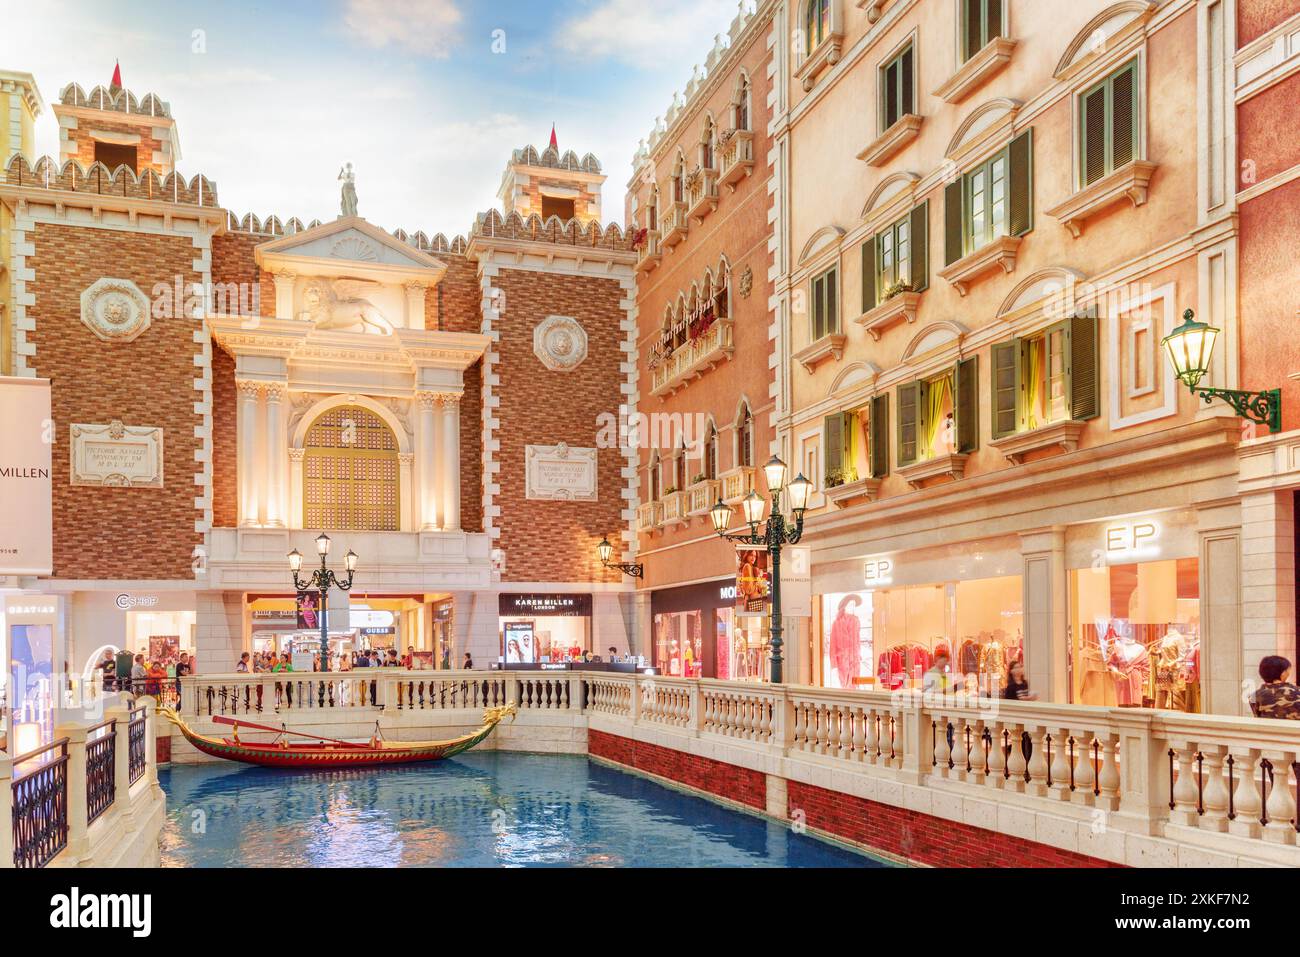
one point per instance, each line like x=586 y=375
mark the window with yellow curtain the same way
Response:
x=937 y=436
x=351 y=472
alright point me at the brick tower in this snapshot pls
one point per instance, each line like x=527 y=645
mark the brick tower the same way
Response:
x=552 y=184
x=113 y=126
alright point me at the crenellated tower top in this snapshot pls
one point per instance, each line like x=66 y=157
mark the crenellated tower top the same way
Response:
x=114 y=126
x=549 y=183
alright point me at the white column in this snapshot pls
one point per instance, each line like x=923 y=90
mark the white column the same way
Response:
x=426 y=458
x=1219 y=533
x=249 y=426
x=294 y=518
x=450 y=463
x=275 y=456
x=1043 y=587
x=283 y=295
x=1268 y=576
x=78 y=816
x=6 y=810
x=407 y=519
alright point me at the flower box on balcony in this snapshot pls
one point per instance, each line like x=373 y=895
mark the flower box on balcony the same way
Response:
x=977 y=70
x=896 y=309
x=703 y=195
x=1063 y=435
x=884 y=146
x=989 y=257
x=827 y=347
x=1130 y=182
x=673 y=224
x=918 y=473
x=737 y=158
x=737 y=483
x=851 y=493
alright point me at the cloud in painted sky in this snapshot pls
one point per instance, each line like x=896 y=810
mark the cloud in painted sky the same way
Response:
x=645 y=33
x=423 y=27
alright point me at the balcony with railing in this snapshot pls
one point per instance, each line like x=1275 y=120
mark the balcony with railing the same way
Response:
x=702 y=193
x=702 y=496
x=648 y=516
x=714 y=345
x=673 y=224
x=736 y=157
x=650 y=253
x=674 y=507
x=737 y=483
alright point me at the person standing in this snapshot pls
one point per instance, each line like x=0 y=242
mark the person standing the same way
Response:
x=1276 y=697
x=468 y=663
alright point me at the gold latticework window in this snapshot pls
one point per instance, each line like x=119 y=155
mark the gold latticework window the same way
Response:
x=350 y=473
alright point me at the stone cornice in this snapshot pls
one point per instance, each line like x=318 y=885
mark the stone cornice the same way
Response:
x=21 y=199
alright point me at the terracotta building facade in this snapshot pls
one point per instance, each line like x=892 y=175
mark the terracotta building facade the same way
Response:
x=225 y=388
x=1008 y=472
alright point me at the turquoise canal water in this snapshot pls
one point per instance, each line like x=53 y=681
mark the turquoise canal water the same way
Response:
x=486 y=809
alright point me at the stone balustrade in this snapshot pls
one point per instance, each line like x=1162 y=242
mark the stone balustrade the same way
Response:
x=89 y=798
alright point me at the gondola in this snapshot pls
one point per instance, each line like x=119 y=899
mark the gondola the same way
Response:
x=326 y=752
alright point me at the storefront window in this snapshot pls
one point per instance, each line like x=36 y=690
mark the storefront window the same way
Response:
x=541 y=629
x=1136 y=635
x=887 y=637
x=679 y=643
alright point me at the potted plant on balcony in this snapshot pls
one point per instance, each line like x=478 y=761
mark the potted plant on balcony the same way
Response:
x=837 y=477
x=895 y=289
x=699 y=479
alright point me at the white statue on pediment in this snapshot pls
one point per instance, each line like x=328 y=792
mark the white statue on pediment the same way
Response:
x=340 y=306
x=348 y=203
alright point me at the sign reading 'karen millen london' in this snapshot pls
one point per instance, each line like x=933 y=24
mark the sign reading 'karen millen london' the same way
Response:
x=26 y=490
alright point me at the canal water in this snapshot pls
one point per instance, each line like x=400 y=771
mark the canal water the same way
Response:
x=485 y=809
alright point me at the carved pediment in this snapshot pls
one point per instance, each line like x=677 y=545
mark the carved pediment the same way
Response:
x=349 y=247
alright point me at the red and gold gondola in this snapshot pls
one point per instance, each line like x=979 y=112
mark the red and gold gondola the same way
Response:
x=326 y=752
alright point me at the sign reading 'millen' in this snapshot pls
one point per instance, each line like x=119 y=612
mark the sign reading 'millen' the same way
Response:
x=26 y=488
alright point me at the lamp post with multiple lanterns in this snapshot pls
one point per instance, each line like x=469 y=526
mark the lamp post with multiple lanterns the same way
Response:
x=1190 y=346
x=322 y=579
x=776 y=535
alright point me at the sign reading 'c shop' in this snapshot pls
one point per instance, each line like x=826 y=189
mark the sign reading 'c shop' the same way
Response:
x=26 y=468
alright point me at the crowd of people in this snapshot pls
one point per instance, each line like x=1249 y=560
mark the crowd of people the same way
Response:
x=138 y=674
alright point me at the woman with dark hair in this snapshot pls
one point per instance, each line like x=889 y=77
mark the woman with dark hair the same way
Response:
x=1276 y=697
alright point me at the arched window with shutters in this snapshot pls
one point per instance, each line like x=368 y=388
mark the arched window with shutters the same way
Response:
x=707 y=143
x=679 y=180
x=742 y=103
x=351 y=472
x=654 y=479
x=711 y=453
x=745 y=437
x=817 y=24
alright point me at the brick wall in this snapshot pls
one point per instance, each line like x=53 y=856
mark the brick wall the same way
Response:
x=461 y=295
x=225 y=461
x=922 y=837
x=471 y=450
x=130 y=532
x=715 y=777
x=555 y=540
x=145 y=149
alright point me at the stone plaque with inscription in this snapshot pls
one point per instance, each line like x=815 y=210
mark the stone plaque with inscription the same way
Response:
x=561 y=472
x=125 y=456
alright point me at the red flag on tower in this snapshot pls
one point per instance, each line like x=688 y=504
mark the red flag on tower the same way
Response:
x=555 y=144
x=116 y=82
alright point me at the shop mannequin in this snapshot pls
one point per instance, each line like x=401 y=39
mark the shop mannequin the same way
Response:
x=845 y=650
x=1130 y=666
x=1172 y=671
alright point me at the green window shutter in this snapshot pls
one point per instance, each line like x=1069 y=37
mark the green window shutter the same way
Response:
x=1093 y=135
x=869 y=275
x=832 y=321
x=833 y=443
x=971 y=35
x=907 y=99
x=852 y=426
x=1123 y=117
x=1020 y=159
x=993 y=20
x=966 y=404
x=952 y=219
x=879 y=426
x=909 y=421
x=1081 y=361
x=921 y=247
x=1004 y=390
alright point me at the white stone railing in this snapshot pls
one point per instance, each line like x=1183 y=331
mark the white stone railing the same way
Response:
x=650 y=250
x=673 y=223
x=693 y=358
x=702 y=195
x=91 y=798
x=1111 y=773
x=736 y=158
x=648 y=516
x=702 y=496
x=737 y=483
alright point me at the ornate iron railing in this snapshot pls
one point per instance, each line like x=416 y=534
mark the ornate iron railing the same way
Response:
x=101 y=769
x=136 y=744
x=40 y=805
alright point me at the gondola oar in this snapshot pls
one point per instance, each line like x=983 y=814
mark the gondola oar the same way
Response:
x=225 y=719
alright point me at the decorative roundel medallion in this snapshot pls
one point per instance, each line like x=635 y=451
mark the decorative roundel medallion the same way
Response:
x=115 y=309
x=560 y=343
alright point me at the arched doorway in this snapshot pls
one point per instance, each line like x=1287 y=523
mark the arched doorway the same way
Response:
x=351 y=472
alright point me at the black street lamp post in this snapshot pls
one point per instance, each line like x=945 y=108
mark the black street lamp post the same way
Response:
x=321 y=579
x=777 y=534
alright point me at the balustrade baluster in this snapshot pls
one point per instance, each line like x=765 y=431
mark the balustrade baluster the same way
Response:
x=871 y=743
x=1108 y=780
x=1247 y=806
x=942 y=747
x=1085 y=767
x=1185 y=793
x=1215 y=796
x=997 y=756
x=1037 y=767
x=1280 y=805
x=1017 y=767
x=978 y=756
